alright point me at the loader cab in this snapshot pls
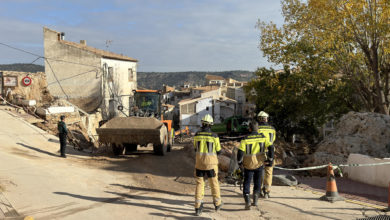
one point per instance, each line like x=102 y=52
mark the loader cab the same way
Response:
x=146 y=103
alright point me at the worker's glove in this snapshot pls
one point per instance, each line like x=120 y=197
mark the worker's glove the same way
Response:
x=269 y=162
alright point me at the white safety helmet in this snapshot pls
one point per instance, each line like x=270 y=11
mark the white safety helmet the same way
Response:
x=262 y=114
x=207 y=119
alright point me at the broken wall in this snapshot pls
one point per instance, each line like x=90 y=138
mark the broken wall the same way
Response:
x=37 y=90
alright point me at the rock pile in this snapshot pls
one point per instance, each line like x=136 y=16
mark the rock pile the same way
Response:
x=363 y=133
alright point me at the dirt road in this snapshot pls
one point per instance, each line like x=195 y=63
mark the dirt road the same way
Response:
x=36 y=182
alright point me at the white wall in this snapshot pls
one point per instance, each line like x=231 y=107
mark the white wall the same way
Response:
x=216 y=93
x=227 y=110
x=66 y=78
x=193 y=121
x=121 y=86
x=373 y=175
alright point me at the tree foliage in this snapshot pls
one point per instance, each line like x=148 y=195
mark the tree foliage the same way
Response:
x=300 y=101
x=349 y=40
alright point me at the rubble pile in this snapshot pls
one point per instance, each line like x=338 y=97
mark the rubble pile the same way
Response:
x=363 y=133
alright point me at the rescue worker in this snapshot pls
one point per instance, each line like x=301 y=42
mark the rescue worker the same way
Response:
x=252 y=156
x=207 y=147
x=62 y=133
x=268 y=131
x=145 y=103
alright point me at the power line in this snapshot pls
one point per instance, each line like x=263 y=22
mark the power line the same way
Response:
x=114 y=93
x=67 y=97
x=70 y=77
x=21 y=50
x=46 y=58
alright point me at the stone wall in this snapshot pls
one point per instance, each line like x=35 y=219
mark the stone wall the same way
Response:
x=37 y=90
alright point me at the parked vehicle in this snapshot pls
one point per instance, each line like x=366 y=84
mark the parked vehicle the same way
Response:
x=235 y=125
x=145 y=124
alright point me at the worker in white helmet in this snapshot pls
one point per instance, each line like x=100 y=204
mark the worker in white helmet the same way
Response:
x=268 y=131
x=207 y=146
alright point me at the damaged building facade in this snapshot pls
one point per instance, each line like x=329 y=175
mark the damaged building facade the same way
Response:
x=87 y=77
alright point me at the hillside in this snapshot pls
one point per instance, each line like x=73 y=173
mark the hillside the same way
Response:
x=155 y=80
x=151 y=80
x=22 y=67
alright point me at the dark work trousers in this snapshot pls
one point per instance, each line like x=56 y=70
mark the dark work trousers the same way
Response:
x=62 y=143
x=256 y=174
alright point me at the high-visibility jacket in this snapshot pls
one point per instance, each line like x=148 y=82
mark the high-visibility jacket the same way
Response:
x=207 y=146
x=268 y=131
x=254 y=148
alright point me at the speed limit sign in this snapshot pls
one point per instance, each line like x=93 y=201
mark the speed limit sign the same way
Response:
x=26 y=81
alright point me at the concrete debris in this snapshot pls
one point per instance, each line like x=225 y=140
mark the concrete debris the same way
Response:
x=363 y=133
x=284 y=180
x=223 y=163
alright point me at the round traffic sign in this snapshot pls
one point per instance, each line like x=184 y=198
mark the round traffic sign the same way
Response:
x=26 y=81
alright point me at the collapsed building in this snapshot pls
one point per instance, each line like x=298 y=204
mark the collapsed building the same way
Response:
x=90 y=79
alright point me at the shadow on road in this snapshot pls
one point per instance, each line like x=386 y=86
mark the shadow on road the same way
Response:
x=173 y=164
x=69 y=150
x=302 y=211
x=135 y=188
x=137 y=201
x=38 y=150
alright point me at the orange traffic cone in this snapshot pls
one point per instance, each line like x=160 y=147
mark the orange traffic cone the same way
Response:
x=331 y=189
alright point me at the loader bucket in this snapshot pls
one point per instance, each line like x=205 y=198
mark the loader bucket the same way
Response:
x=132 y=130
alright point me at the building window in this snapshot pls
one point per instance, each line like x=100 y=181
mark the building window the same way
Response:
x=207 y=108
x=131 y=75
x=183 y=109
x=110 y=76
x=188 y=108
x=191 y=108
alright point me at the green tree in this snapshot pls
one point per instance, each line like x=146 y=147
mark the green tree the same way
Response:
x=300 y=101
x=336 y=39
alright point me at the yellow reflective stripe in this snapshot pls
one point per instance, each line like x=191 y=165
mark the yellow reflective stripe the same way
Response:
x=269 y=132
x=206 y=144
x=254 y=146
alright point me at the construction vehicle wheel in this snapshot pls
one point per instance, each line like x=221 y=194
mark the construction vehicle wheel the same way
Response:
x=162 y=147
x=117 y=149
x=130 y=147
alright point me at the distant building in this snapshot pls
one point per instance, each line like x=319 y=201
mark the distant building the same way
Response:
x=193 y=110
x=244 y=108
x=215 y=80
x=197 y=91
x=88 y=77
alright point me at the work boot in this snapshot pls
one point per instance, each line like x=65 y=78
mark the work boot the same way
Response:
x=255 y=199
x=198 y=211
x=263 y=193
x=266 y=195
x=218 y=207
x=247 y=202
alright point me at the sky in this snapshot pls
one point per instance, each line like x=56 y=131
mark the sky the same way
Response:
x=163 y=35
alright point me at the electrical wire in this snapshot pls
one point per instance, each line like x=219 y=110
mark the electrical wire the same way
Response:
x=43 y=57
x=67 y=97
x=117 y=98
x=74 y=76
x=21 y=50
